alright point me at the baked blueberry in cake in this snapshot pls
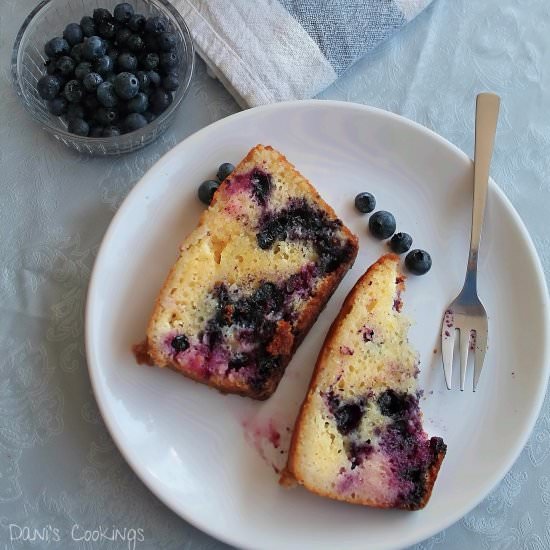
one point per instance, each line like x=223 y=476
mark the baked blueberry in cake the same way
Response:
x=251 y=279
x=359 y=435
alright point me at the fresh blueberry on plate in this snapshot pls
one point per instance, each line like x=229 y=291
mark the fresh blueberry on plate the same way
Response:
x=401 y=242
x=418 y=261
x=206 y=190
x=224 y=170
x=382 y=224
x=365 y=202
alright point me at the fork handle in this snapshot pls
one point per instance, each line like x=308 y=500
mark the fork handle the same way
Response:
x=487 y=107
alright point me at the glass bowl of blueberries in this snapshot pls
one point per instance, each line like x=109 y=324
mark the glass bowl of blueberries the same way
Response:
x=107 y=79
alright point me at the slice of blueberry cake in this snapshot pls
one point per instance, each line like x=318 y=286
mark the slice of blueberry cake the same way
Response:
x=359 y=435
x=251 y=279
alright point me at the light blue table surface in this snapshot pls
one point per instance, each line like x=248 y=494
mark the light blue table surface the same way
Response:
x=58 y=465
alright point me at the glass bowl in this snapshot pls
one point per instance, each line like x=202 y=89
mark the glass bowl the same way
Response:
x=49 y=19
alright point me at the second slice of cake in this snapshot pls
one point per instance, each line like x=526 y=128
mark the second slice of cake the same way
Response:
x=251 y=279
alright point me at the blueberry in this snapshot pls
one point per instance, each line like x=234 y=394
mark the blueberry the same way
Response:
x=91 y=81
x=365 y=202
x=348 y=417
x=127 y=62
x=167 y=41
x=138 y=104
x=156 y=25
x=56 y=46
x=135 y=43
x=392 y=403
x=73 y=34
x=87 y=25
x=76 y=52
x=150 y=61
x=134 y=121
x=106 y=116
x=418 y=261
x=106 y=94
x=65 y=65
x=78 y=126
x=122 y=36
x=51 y=66
x=168 y=60
x=401 y=242
x=159 y=100
x=123 y=12
x=90 y=103
x=151 y=43
x=126 y=85
x=107 y=30
x=180 y=342
x=137 y=22
x=104 y=65
x=111 y=131
x=154 y=78
x=93 y=48
x=224 y=170
x=57 y=106
x=149 y=116
x=144 y=82
x=48 y=86
x=96 y=131
x=75 y=110
x=207 y=189
x=110 y=78
x=170 y=83
x=382 y=224
x=101 y=15
x=238 y=361
x=82 y=69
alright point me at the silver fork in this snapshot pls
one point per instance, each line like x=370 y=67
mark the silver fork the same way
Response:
x=466 y=313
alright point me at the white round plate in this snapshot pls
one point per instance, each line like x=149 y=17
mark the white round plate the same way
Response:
x=201 y=452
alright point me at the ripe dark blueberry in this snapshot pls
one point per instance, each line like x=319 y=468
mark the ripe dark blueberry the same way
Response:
x=123 y=12
x=57 y=106
x=137 y=22
x=78 y=126
x=167 y=41
x=401 y=242
x=159 y=101
x=65 y=65
x=418 y=261
x=170 y=83
x=48 y=86
x=168 y=60
x=149 y=116
x=180 y=342
x=138 y=104
x=76 y=52
x=135 y=43
x=104 y=65
x=151 y=43
x=156 y=25
x=90 y=103
x=106 y=94
x=73 y=34
x=107 y=30
x=51 y=66
x=111 y=131
x=207 y=189
x=382 y=224
x=113 y=52
x=96 y=131
x=154 y=78
x=56 y=46
x=127 y=62
x=106 y=116
x=110 y=78
x=87 y=24
x=101 y=15
x=365 y=202
x=75 y=110
x=348 y=417
x=126 y=85
x=82 y=69
x=144 y=82
x=93 y=48
x=122 y=36
x=134 y=121
x=224 y=170
x=150 y=61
